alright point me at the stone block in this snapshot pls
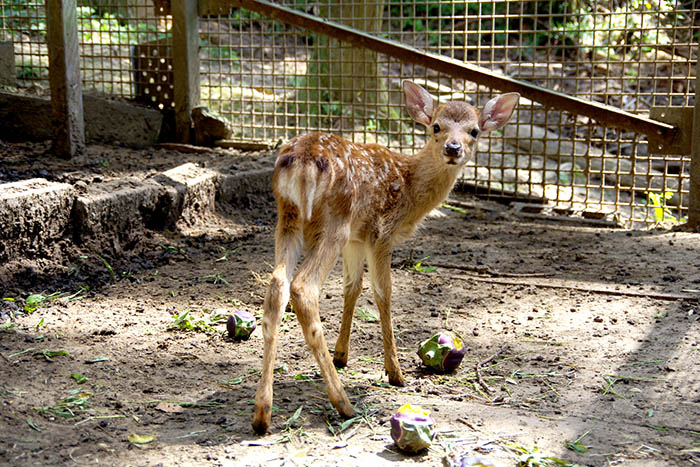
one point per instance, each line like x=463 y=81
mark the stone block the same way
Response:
x=195 y=188
x=8 y=71
x=34 y=215
x=235 y=188
x=111 y=216
x=114 y=121
x=28 y=118
x=24 y=118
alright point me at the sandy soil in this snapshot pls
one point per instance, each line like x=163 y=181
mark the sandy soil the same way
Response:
x=590 y=336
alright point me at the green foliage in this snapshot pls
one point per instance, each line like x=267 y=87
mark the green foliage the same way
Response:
x=77 y=401
x=35 y=300
x=216 y=278
x=529 y=457
x=220 y=53
x=442 y=21
x=624 y=32
x=107 y=28
x=31 y=72
x=419 y=267
x=108 y=266
x=80 y=379
x=49 y=354
x=410 y=9
x=293 y=419
x=24 y=17
x=367 y=315
x=662 y=213
x=626 y=29
x=315 y=99
x=576 y=444
x=185 y=322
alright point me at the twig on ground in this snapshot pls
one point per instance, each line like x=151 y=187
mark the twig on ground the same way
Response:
x=570 y=286
x=488 y=270
x=478 y=366
x=480 y=380
x=481 y=269
x=466 y=422
x=187 y=148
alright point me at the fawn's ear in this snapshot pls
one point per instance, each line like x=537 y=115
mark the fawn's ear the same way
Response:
x=498 y=111
x=419 y=103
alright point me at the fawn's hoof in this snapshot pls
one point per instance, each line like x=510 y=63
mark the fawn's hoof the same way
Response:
x=340 y=361
x=260 y=426
x=396 y=379
x=261 y=420
x=345 y=409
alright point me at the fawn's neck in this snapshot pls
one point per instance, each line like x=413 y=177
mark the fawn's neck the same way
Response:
x=431 y=180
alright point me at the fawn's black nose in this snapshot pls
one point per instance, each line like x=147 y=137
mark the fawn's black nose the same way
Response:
x=453 y=148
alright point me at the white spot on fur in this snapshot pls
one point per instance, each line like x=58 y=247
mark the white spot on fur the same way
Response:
x=288 y=187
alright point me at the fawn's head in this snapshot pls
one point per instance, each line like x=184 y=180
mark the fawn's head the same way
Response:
x=454 y=127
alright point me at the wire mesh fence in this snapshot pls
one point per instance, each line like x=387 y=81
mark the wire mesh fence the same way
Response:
x=273 y=80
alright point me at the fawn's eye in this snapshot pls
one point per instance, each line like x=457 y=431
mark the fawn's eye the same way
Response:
x=436 y=128
x=474 y=133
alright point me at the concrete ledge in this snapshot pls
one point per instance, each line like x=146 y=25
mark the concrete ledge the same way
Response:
x=38 y=218
x=113 y=121
x=116 y=212
x=34 y=214
x=28 y=118
x=235 y=188
x=195 y=192
x=7 y=64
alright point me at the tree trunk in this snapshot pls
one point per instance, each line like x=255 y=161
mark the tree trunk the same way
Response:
x=352 y=74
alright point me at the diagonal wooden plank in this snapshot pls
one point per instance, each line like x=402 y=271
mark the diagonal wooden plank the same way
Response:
x=606 y=115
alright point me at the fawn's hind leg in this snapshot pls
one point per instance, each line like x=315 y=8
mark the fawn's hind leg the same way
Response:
x=305 y=290
x=287 y=249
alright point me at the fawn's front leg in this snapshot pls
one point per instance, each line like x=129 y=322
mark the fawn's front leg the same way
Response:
x=353 y=265
x=379 y=263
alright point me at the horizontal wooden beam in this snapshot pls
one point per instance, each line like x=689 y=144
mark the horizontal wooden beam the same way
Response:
x=605 y=115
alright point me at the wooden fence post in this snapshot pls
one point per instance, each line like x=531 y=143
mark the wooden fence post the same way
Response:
x=694 y=201
x=64 y=78
x=185 y=53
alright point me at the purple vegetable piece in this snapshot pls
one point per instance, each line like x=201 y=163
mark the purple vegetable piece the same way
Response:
x=443 y=352
x=412 y=428
x=240 y=325
x=464 y=460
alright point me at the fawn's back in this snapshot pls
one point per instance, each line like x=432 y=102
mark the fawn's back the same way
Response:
x=379 y=192
x=324 y=175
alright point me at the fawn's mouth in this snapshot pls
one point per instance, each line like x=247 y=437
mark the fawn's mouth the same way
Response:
x=453 y=160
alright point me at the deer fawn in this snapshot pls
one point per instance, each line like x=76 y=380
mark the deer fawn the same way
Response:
x=336 y=197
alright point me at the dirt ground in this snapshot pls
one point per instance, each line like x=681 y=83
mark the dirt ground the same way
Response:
x=590 y=339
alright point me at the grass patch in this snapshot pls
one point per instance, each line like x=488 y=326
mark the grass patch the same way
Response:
x=71 y=406
x=184 y=322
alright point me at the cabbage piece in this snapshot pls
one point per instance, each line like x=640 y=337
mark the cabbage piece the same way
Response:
x=464 y=460
x=412 y=428
x=240 y=325
x=442 y=352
